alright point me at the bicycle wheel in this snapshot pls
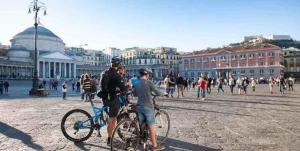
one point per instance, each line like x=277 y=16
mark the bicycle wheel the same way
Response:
x=162 y=126
x=129 y=139
x=77 y=125
x=119 y=119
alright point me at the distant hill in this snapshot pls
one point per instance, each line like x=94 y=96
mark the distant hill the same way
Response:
x=279 y=43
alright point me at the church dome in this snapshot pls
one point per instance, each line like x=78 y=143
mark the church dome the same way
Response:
x=17 y=47
x=40 y=30
x=18 y=53
x=47 y=41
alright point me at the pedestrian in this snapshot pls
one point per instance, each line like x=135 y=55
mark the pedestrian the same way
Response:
x=220 y=84
x=55 y=84
x=231 y=84
x=73 y=84
x=6 y=85
x=291 y=82
x=78 y=85
x=239 y=84
x=180 y=85
x=186 y=84
x=282 y=85
x=201 y=87
x=1 y=87
x=271 y=84
x=166 y=82
x=193 y=83
x=94 y=84
x=87 y=88
x=208 y=84
x=245 y=83
x=189 y=83
x=64 y=90
x=171 y=85
x=253 y=84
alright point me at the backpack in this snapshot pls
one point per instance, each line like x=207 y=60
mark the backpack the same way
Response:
x=103 y=93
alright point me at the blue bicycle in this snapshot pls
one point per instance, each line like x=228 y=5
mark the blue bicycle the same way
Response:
x=78 y=125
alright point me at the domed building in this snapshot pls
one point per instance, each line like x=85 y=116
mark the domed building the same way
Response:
x=52 y=60
x=47 y=41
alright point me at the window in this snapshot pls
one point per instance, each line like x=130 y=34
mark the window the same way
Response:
x=192 y=74
x=271 y=71
x=261 y=71
x=252 y=71
x=243 y=71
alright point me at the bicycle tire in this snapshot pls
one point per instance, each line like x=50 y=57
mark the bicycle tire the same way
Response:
x=119 y=119
x=63 y=122
x=118 y=129
x=163 y=137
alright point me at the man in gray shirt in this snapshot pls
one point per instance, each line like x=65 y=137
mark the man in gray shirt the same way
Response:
x=145 y=107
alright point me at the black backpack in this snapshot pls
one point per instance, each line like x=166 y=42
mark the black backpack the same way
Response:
x=103 y=93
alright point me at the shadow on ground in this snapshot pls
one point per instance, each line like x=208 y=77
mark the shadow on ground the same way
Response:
x=173 y=144
x=87 y=146
x=14 y=133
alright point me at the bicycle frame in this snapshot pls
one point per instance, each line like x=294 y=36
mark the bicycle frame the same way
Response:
x=97 y=111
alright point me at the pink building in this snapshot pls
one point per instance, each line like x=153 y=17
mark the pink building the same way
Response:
x=258 y=61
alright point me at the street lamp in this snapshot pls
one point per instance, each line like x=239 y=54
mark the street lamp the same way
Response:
x=35 y=7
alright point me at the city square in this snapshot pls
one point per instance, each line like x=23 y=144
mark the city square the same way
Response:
x=237 y=64
x=256 y=121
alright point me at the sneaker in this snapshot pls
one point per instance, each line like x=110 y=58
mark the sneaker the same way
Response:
x=157 y=148
x=108 y=141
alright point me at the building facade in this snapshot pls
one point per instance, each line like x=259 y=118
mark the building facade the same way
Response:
x=259 y=61
x=292 y=62
x=258 y=38
x=162 y=60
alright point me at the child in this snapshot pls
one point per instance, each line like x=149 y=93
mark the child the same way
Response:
x=64 y=90
x=201 y=87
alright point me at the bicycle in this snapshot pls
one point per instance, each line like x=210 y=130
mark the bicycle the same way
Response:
x=135 y=133
x=87 y=124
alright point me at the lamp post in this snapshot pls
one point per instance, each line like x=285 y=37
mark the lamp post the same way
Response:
x=35 y=6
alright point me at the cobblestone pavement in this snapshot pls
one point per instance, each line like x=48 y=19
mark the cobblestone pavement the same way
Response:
x=257 y=121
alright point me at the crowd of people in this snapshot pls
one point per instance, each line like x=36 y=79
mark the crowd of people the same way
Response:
x=4 y=87
x=205 y=83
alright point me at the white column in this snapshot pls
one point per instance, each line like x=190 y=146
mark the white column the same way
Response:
x=74 y=70
x=65 y=67
x=59 y=71
x=70 y=70
x=44 y=70
x=54 y=72
x=49 y=69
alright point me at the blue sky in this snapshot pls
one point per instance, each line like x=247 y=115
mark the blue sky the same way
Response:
x=184 y=24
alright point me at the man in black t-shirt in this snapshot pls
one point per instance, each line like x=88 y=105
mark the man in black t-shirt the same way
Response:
x=112 y=83
x=208 y=84
x=180 y=85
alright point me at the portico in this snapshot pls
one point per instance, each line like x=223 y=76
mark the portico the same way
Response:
x=56 y=65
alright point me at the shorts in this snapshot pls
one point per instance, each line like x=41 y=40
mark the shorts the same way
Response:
x=113 y=107
x=146 y=114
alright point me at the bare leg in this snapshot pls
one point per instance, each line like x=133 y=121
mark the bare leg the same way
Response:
x=111 y=125
x=153 y=135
